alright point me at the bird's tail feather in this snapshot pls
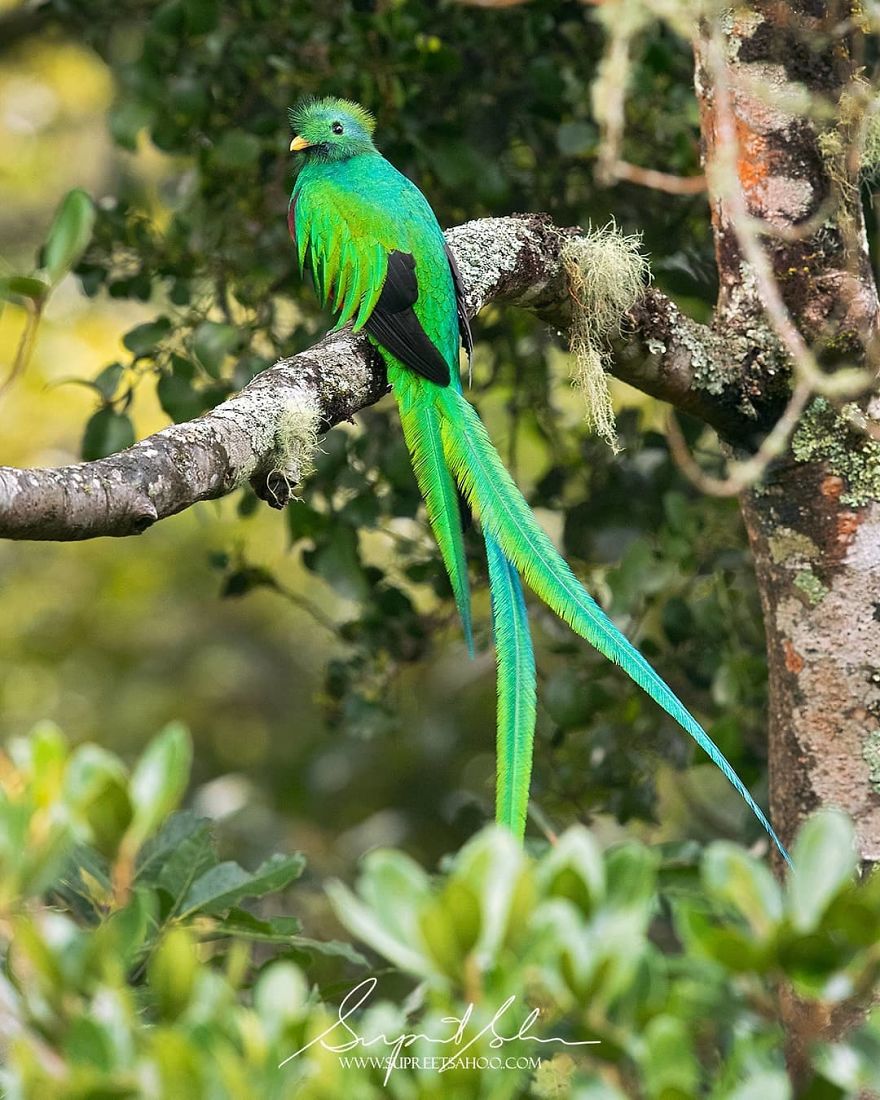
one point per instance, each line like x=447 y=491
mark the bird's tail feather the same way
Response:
x=507 y=518
x=515 y=662
x=421 y=430
x=513 y=646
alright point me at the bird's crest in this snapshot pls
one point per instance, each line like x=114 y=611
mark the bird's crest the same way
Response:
x=314 y=107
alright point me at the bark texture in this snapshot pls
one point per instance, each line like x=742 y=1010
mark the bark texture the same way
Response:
x=814 y=523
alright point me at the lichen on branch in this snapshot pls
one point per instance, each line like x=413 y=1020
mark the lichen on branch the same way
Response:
x=825 y=435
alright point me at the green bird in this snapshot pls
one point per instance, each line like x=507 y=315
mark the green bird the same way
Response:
x=379 y=258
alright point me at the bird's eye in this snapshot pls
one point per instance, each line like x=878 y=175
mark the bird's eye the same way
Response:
x=336 y=127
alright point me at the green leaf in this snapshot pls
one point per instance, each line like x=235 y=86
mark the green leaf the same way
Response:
x=13 y=287
x=188 y=861
x=143 y=339
x=125 y=933
x=745 y=883
x=630 y=873
x=97 y=784
x=212 y=342
x=171 y=972
x=89 y=1043
x=281 y=992
x=573 y=869
x=176 y=831
x=495 y=867
x=178 y=398
x=450 y=926
x=330 y=948
x=282 y=931
x=227 y=883
x=106 y=382
x=394 y=892
x=305 y=522
x=106 y=433
x=69 y=234
x=159 y=780
x=825 y=859
x=669 y=1065
x=239 y=922
x=47 y=758
x=362 y=921
x=810 y=959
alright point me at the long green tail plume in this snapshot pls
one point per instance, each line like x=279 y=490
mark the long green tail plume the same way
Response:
x=515 y=659
x=516 y=691
x=421 y=430
x=507 y=518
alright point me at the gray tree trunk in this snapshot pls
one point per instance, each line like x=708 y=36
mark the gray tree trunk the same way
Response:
x=814 y=520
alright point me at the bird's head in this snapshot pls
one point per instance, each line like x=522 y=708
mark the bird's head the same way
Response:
x=331 y=129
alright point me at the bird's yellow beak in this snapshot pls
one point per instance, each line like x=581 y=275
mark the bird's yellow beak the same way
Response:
x=298 y=144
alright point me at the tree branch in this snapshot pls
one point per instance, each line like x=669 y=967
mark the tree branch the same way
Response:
x=263 y=433
x=738 y=386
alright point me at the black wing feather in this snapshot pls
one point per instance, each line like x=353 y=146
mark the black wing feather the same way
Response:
x=394 y=324
x=464 y=324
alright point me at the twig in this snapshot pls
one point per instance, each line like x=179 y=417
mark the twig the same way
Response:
x=728 y=183
x=25 y=346
x=740 y=474
x=658 y=181
x=793 y=233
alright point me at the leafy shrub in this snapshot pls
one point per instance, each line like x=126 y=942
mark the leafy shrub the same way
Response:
x=130 y=964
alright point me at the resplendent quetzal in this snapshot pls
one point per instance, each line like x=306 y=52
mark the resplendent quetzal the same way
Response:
x=378 y=257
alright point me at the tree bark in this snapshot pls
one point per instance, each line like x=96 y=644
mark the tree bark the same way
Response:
x=814 y=522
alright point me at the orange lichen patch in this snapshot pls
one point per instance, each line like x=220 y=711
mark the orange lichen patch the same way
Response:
x=794 y=662
x=831 y=486
x=847 y=525
x=752 y=161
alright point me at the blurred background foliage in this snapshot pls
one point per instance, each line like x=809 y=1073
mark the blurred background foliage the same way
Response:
x=315 y=657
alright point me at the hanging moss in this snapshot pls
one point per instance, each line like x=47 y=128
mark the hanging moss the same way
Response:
x=606 y=274
x=296 y=443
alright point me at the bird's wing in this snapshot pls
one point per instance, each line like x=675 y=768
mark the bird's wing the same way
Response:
x=337 y=240
x=349 y=244
x=464 y=324
x=395 y=325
